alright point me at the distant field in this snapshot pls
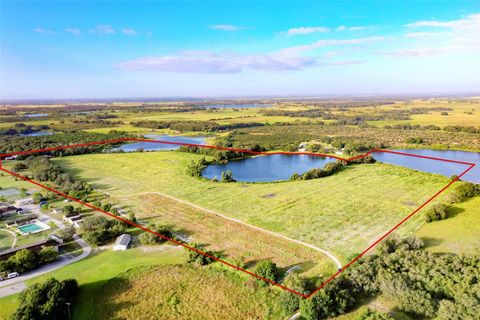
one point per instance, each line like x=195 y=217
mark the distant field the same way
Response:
x=460 y=233
x=343 y=213
x=162 y=292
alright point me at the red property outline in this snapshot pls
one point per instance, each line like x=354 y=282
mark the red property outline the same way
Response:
x=471 y=165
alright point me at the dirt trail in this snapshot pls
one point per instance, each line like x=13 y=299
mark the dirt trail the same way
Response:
x=325 y=252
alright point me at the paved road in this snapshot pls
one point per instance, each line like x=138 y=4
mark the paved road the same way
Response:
x=325 y=252
x=8 y=287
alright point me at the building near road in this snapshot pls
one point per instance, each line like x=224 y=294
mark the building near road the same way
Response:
x=24 y=202
x=36 y=246
x=122 y=242
x=6 y=209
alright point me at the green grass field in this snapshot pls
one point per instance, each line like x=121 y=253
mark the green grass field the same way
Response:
x=165 y=293
x=6 y=240
x=93 y=272
x=343 y=213
x=460 y=233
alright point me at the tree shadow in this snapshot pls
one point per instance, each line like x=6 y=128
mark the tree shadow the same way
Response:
x=454 y=211
x=431 y=242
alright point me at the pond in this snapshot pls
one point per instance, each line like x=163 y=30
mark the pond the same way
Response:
x=152 y=146
x=37 y=115
x=267 y=168
x=433 y=166
x=37 y=134
x=237 y=106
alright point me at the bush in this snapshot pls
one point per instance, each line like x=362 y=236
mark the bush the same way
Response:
x=436 y=213
x=266 y=269
x=148 y=238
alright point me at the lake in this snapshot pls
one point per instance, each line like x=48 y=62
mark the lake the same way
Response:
x=281 y=167
x=266 y=168
x=152 y=146
x=433 y=166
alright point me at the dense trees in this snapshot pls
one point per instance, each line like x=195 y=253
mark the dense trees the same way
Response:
x=26 y=260
x=435 y=213
x=148 y=238
x=97 y=230
x=10 y=144
x=205 y=126
x=46 y=301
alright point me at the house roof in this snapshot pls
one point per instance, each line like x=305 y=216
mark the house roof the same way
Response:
x=123 y=240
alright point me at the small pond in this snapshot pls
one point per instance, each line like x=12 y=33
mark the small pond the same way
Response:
x=36 y=115
x=237 y=106
x=267 y=168
x=38 y=134
x=152 y=146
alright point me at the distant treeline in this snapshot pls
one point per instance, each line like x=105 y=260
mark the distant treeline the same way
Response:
x=21 y=128
x=10 y=144
x=205 y=126
x=407 y=126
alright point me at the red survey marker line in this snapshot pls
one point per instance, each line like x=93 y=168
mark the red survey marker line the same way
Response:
x=471 y=165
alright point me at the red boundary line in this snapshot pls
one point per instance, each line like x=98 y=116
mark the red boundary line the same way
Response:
x=471 y=165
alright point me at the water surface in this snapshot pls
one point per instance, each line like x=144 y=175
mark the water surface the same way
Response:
x=267 y=168
x=152 y=146
x=447 y=169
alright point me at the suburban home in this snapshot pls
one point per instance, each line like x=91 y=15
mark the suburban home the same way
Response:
x=76 y=221
x=122 y=242
x=36 y=246
x=6 y=209
x=24 y=202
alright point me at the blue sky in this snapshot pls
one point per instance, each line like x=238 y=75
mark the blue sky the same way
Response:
x=67 y=49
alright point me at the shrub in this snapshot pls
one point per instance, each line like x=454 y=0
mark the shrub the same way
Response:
x=266 y=269
x=435 y=213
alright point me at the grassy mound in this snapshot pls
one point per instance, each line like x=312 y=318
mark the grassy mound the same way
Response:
x=184 y=292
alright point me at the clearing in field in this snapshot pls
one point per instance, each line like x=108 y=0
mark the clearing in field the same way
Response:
x=307 y=224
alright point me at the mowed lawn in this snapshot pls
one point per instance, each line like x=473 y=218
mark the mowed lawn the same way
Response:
x=93 y=272
x=166 y=293
x=460 y=233
x=343 y=213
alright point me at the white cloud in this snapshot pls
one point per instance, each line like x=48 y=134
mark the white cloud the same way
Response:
x=102 y=29
x=422 y=34
x=43 y=31
x=74 y=31
x=226 y=62
x=460 y=35
x=129 y=31
x=226 y=27
x=354 y=28
x=306 y=30
x=470 y=22
x=330 y=42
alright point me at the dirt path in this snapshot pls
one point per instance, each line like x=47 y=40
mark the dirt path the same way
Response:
x=325 y=252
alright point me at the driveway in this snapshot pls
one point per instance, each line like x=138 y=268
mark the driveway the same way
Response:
x=11 y=286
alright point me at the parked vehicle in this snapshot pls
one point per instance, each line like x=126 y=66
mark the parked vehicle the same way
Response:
x=13 y=275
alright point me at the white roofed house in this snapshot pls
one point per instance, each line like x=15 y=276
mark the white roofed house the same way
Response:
x=122 y=242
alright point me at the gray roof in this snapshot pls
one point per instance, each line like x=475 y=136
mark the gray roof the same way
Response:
x=123 y=239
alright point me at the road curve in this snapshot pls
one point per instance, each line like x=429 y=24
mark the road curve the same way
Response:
x=13 y=283
x=325 y=252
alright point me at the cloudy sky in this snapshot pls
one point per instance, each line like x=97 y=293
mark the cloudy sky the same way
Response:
x=66 y=49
